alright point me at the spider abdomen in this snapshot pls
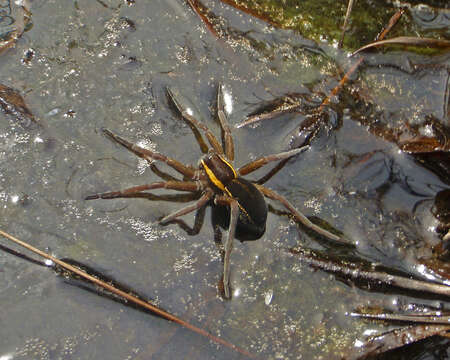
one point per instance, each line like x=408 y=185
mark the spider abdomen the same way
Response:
x=252 y=210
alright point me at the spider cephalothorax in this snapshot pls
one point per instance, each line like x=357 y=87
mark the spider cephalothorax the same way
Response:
x=223 y=178
x=238 y=205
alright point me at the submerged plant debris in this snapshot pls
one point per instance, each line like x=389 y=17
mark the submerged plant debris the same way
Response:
x=15 y=19
x=13 y=104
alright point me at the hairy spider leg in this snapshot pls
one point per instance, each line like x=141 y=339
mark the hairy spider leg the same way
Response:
x=272 y=172
x=185 y=113
x=163 y=175
x=198 y=222
x=191 y=186
x=256 y=164
x=234 y=216
x=282 y=163
x=297 y=214
x=150 y=156
x=190 y=208
x=176 y=198
x=198 y=136
x=227 y=139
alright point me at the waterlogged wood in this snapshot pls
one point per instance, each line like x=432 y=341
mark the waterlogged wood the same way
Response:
x=395 y=339
x=355 y=272
x=408 y=41
x=422 y=318
x=12 y=103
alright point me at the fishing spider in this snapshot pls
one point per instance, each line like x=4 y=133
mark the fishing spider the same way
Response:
x=237 y=204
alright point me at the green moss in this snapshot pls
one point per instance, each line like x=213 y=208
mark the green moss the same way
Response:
x=322 y=20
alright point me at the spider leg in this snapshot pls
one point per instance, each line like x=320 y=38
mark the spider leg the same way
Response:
x=162 y=174
x=180 y=198
x=150 y=156
x=186 y=113
x=234 y=216
x=256 y=164
x=221 y=114
x=317 y=125
x=171 y=96
x=198 y=222
x=135 y=191
x=188 y=209
x=297 y=215
x=177 y=198
x=272 y=172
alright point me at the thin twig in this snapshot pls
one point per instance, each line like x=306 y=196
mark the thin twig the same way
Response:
x=392 y=21
x=126 y=296
x=344 y=27
x=341 y=84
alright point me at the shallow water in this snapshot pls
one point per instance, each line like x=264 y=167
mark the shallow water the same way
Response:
x=106 y=65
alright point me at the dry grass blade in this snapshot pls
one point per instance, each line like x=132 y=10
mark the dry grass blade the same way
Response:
x=126 y=295
x=395 y=339
x=347 y=17
x=408 y=41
